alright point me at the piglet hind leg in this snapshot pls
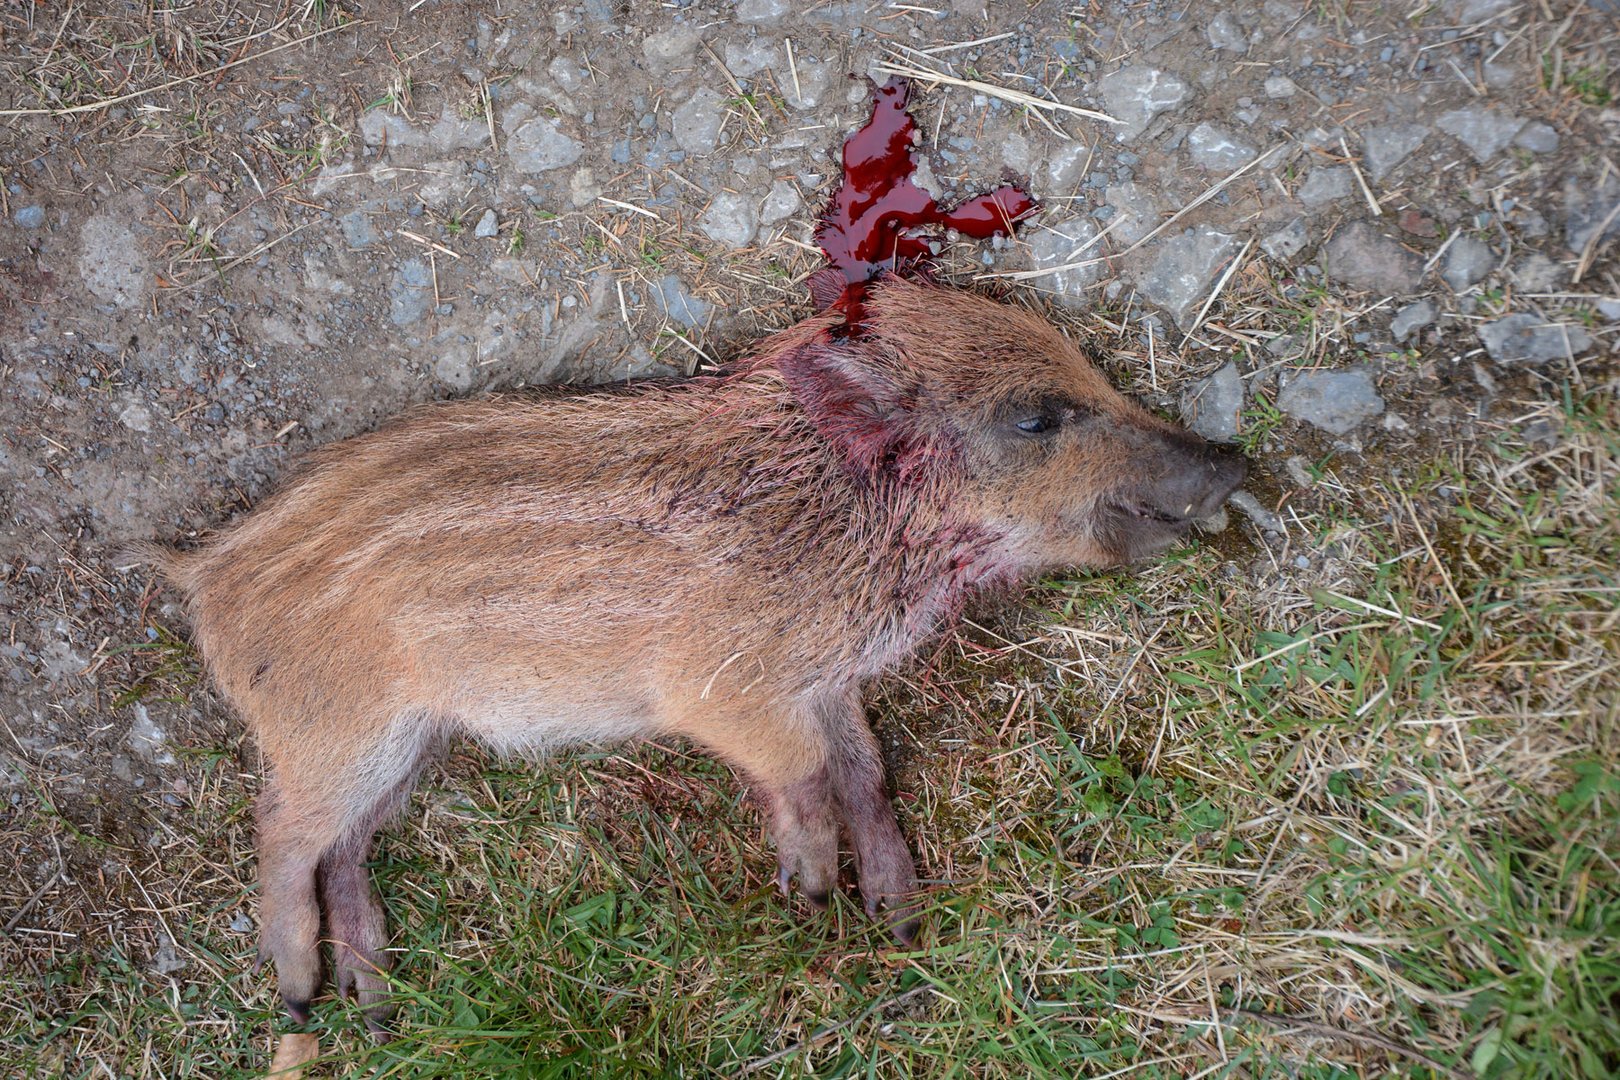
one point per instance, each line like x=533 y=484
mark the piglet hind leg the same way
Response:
x=355 y=922
x=293 y=833
x=354 y=917
x=316 y=823
x=357 y=928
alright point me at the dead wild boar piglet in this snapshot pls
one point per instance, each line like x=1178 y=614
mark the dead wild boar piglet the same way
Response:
x=729 y=559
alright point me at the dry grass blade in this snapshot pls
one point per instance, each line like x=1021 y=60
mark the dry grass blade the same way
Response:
x=958 y=45
x=418 y=238
x=895 y=66
x=1589 y=249
x=632 y=207
x=107 y=103
x=1327 y=1031
x=743 y=97
x=825 y=1033
x=1208 y=194
x=219 y=271
x=1209 y=301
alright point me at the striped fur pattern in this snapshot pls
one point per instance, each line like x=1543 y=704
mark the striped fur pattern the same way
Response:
x=729 y=559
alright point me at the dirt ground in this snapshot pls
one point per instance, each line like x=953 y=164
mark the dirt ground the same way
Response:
x=236 y=229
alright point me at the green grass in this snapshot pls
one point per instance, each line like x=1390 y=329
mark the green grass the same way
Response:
x=1260 y=421
x=1589 y=82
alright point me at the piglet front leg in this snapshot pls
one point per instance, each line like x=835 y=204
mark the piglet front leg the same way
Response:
x=819 y=766
x=804 y=825
x=883 y=863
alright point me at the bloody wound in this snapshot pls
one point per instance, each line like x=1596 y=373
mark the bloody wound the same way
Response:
x=868 y=228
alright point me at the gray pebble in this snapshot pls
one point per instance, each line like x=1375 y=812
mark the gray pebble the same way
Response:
x=1387 y=145
x=410 y=292
x=1586 y=208
x=1325 y=184
x=1212 y=406
x=675 y=302
x=1468 y=261
x=731 y=219
x=1213 y=148
x=1225 y=32
x=781 y=203
x=1287 y=346
x=1361 y=256
x=1287 y=241
x=540 y=145
x=1137 y=208
x=670 y=47
x=1179 y=279
x=1059 y=244
x=697 y=123
x=1537 y=273
x=1411 y=318
x=1536 y=137
x=357 y=230
x=29 y=217
x=1299 y=471
x=1484 y=131
x=1280 y=86
x=1251 y=508
x=487 y=225
x=1530 y=339
x=762 y=11
x=1335 y=401
x=1065 y=164
x=1135 y=95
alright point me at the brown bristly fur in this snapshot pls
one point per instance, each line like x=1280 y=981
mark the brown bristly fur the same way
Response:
x=728 y=559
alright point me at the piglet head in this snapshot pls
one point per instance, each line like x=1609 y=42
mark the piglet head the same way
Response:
x=989 y=411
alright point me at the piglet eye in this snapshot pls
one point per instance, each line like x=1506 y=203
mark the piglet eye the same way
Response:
x=1039 y=424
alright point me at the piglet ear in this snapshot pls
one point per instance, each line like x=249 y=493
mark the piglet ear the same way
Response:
x=827 y=287
x=855 y=403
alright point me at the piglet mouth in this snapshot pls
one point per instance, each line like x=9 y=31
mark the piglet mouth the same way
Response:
x=1136 y=530
x=1147 y=514
x=1148 y=521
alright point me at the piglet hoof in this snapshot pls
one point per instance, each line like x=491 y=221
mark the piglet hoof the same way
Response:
x=815 y=885
x=297 y=1009
x=377 y=1026
x=889 y=888
x=902 y=917
x=807 y=849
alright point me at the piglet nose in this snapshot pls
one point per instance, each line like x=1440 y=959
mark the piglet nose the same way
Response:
x=1195 y=478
